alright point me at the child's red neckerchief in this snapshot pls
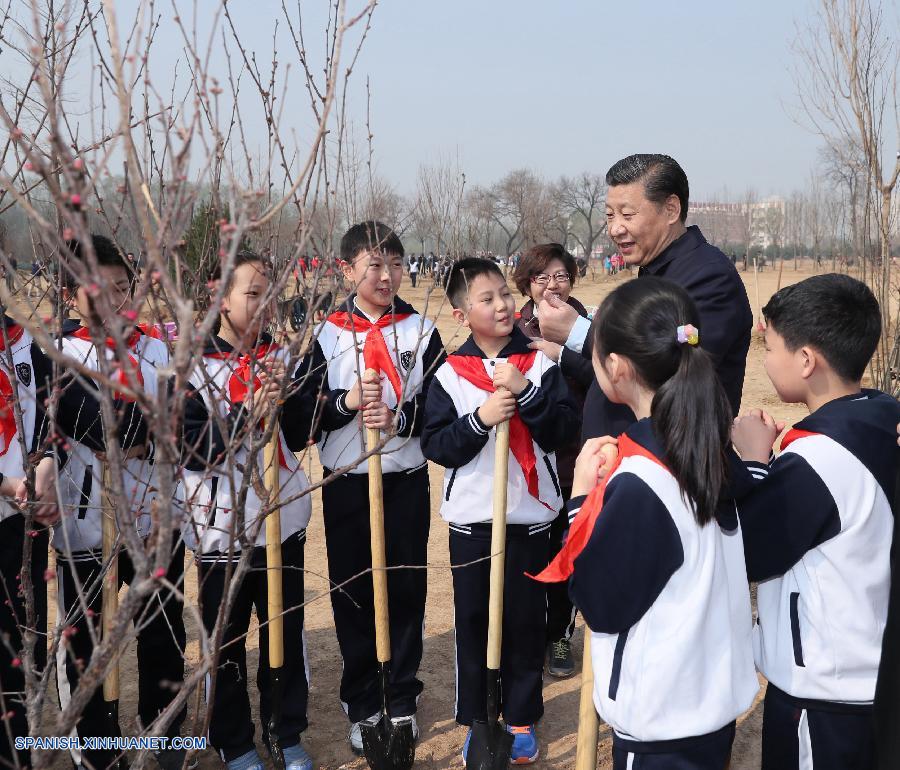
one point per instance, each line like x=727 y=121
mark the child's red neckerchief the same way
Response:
x=375 y=350
x=581 y=528
x=134 y=383
x=471 y=369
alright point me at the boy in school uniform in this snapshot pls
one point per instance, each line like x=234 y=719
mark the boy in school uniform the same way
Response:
x=375 y=329
x=494 y=377
x=24 y=374
x=77 y=537
x=817 y=525
x=233 y=391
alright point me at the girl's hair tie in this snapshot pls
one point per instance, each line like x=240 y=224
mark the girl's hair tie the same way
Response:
x=687 y=334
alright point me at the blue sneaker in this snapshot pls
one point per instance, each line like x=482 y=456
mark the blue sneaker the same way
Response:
x=465 y=749
x=524 y=747
x=296 y=758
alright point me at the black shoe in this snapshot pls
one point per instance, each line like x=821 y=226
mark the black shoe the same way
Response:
x=560 y=663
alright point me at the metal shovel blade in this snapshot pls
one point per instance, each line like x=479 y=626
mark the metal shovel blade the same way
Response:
x=489 y=747
x=388 y=745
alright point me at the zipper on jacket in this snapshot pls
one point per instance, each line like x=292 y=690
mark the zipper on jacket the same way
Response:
x=795 y=630
x=87 y=485
x=617 y=663
x=450 y=484
x=213 y=498
x=552 y=474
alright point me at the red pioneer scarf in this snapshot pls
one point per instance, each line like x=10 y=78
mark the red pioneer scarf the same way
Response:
x=239 y=381
x=581 y=528
x=137 y=381
x=471 y=369
x=7 y=414
x=792 y=435
x=375 y=350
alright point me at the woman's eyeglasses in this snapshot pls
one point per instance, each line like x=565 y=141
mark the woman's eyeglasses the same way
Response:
x=542 y=279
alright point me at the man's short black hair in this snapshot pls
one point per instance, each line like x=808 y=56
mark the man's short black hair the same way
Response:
x=661 y=175
x=106 y=251
x=370 y=236
x=463 y=273
x=835 y=314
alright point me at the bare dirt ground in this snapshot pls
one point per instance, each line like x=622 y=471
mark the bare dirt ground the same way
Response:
x=440 y=738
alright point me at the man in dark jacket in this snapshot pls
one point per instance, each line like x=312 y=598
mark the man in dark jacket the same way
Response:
x=646 y=209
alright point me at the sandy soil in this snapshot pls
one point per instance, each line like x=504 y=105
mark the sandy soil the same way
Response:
x=441 y=739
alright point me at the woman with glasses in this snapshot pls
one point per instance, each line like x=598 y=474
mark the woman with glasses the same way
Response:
x=548 y=267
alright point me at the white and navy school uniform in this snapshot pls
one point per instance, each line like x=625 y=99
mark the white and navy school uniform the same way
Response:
x=455 y=437
x=216 y=437
x=817 y=526
x=24 y=372
x=668 y=607
x=77 y=538
x=415 y=351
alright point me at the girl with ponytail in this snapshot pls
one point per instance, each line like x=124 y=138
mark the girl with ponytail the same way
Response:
x=659 y=575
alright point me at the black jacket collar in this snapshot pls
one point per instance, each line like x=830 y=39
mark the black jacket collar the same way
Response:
x=691 y=239
x=215 y=345
x=518 y=343
x=642 y=432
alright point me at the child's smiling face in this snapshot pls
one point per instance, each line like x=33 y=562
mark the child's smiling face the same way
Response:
x=115 y=287
x=242 y=304
x=376 y=277
x=490 y=307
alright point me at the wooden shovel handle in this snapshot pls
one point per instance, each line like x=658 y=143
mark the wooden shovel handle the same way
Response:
x=379 y=560
x=110 y=590
x=498 y=547
x=588 y=722
x=275 y=601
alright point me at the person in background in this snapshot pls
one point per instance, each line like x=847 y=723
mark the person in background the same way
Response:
x=545 y=268
x=413 y=271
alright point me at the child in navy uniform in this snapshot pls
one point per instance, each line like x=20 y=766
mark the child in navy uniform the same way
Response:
x=660 y=581
x=77 y=536
x=494 y=377
x=817 y=526
x=375 y=329
x=233 y=391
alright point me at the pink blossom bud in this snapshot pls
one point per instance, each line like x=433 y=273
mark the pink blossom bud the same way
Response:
x=75 y=199
x=15 y=662
x=160 y=573
x=69 y=631
x=78 y=164
x=68 y=234
x=130 y=315
x=29 y=166
x=49 y=574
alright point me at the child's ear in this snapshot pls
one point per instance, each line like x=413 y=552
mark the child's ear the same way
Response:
x=807 y=358
x=460 y=316
x=347 y=270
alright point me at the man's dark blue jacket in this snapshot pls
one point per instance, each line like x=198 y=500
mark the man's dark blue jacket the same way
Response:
x=726 y=321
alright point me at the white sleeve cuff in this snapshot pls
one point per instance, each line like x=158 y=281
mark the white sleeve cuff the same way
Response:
x=579 y=333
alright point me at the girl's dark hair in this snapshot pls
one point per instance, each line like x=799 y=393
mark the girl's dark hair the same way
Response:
x=535 y=261
x=690 y=411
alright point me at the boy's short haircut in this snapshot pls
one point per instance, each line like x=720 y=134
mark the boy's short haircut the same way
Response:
x=105 y=250
x=370 y=235
x=243 y=257
x=835 y=314
x=463 y=273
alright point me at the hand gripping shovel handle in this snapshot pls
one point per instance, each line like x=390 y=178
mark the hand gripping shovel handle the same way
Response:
x=110 y=603
x=588 y=722
x=386 y=745
x=275 y=601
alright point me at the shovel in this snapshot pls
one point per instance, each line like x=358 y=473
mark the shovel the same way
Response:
x=386 y=745
x=490 y=743
x=588 y=723
x=274 y=598
x=110 y=605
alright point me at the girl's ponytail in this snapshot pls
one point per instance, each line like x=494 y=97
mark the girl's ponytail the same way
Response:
x=640 y=320
x=693 y=417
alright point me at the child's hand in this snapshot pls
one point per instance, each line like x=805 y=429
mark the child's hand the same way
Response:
x=550 y=349
x=377 y=415
x=754 y=434
x=499 y=407
x=593 y=463
x=10 y=485
x=47 y=510
x=269 y=389
x=509 y=377
x=370 y=388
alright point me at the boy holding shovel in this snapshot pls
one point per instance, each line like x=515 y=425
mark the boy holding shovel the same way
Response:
x=375 y=329
x=494 y=377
